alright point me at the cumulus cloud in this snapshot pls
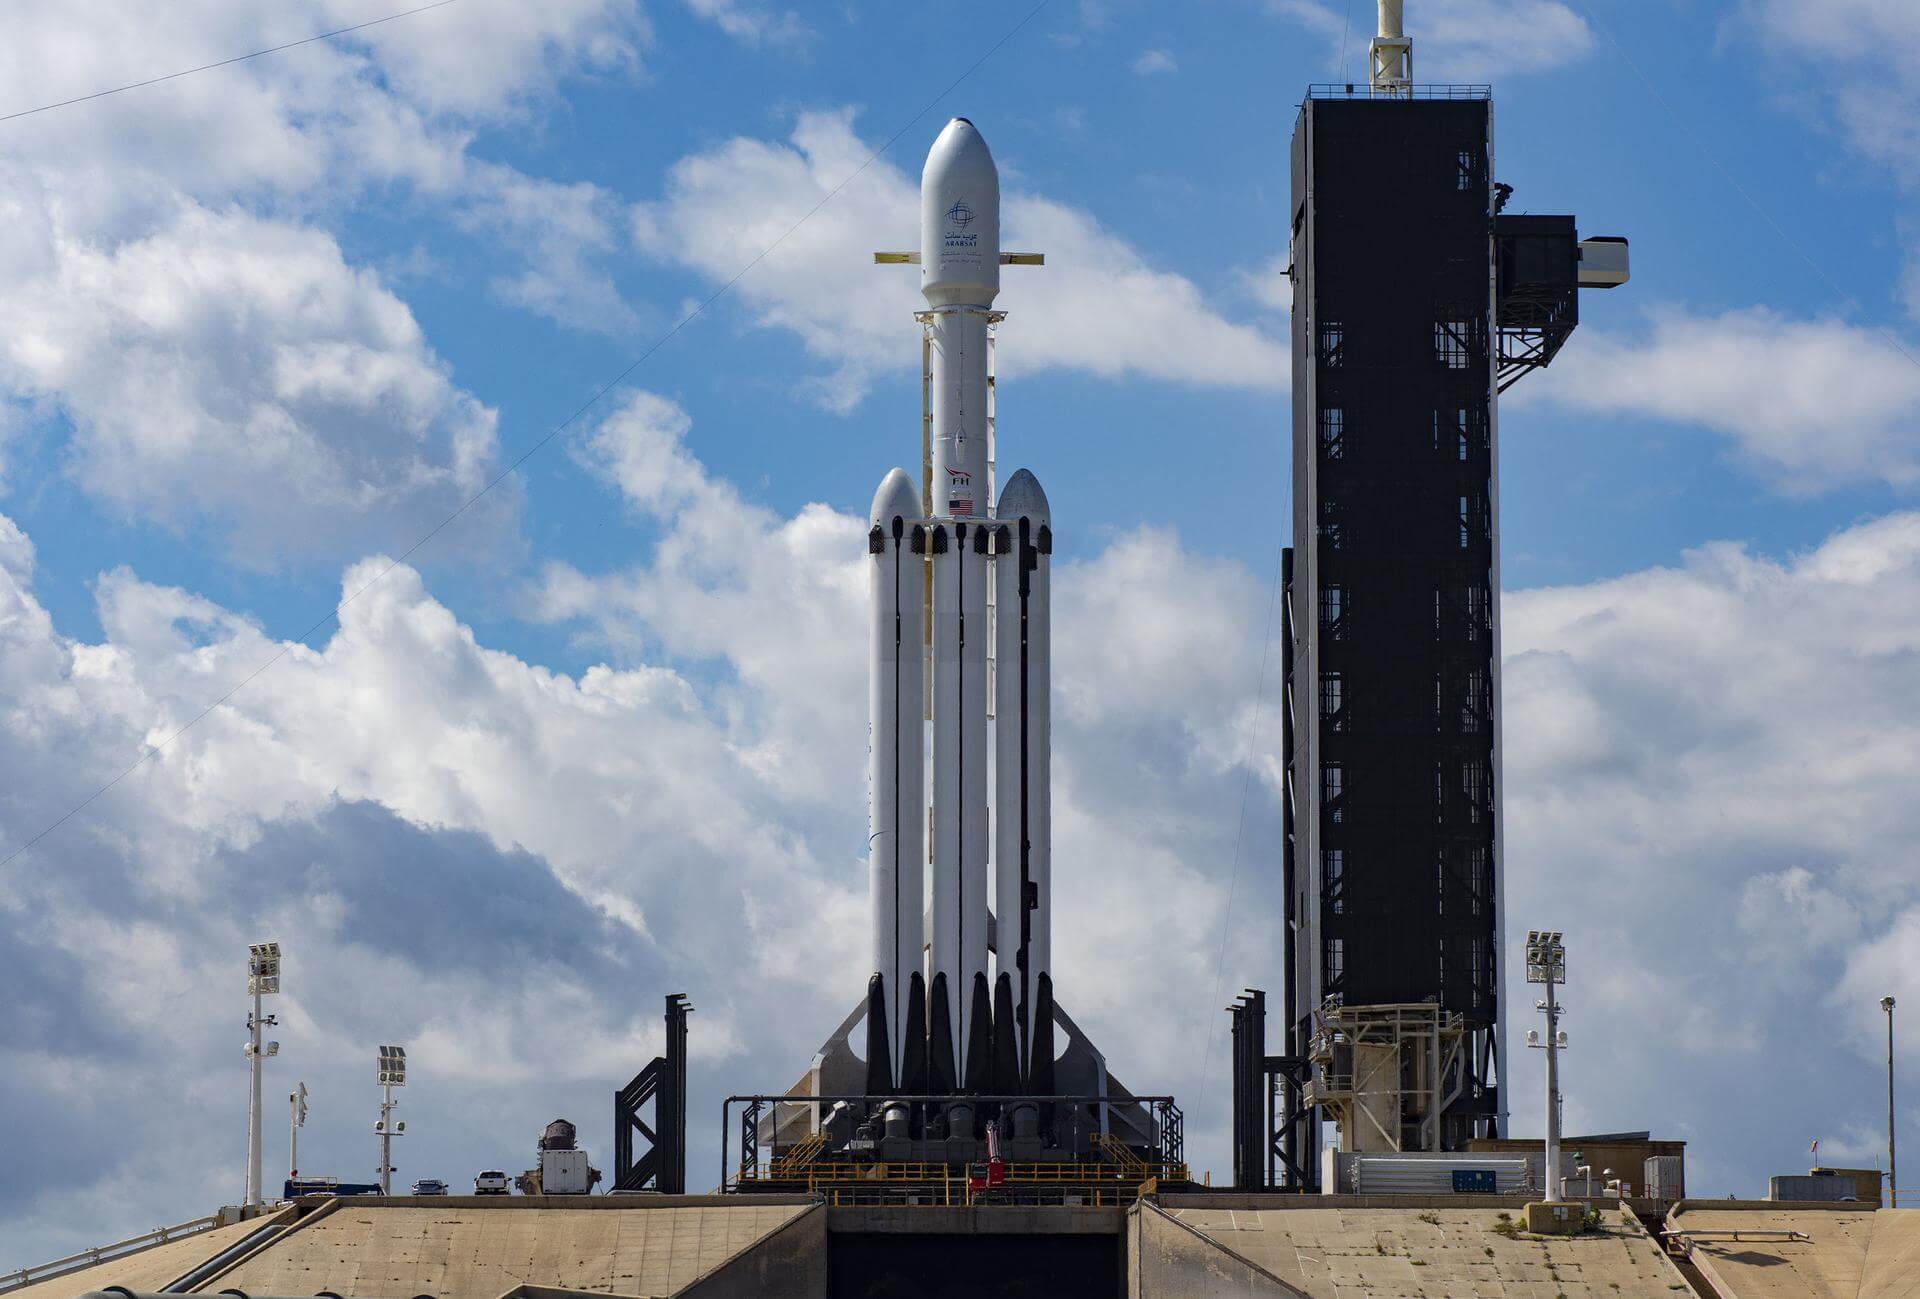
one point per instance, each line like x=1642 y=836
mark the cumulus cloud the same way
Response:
x=1458 y=40
x=1863 y=58
x=234 y=370
x=500 y=864
x=218 y=358
x=1706 y=773
x=1810 y=404
x=754 y=24
x=394 y=101
x=1155 y=62
x=1098 y=307
x=1868 y=51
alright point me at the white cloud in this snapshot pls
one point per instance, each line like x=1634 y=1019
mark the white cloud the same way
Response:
x=1269 y=284
x=219 y=360
x=563 y=235
x=1809 y=404
x=1098 y=306
x=1870 y=52
x=1457 y=40
x=236 y=371
x=1707 y=776
x=395 y=101
x=1155 y=62
x=498 y=863
x=756 y=24
x=303 y=129
x=1864 y=59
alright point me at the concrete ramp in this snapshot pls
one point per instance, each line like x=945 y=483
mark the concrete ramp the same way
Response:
x=474 y=1247
x=1383 y=1247
x=1760 y=1250
x=147 y=1269
x=1893 y=1256
x=1167 y=1259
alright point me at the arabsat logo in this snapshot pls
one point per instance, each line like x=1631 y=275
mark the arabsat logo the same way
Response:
x=960 y=214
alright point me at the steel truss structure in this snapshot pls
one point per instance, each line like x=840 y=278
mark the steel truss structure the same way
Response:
x=662 y=1165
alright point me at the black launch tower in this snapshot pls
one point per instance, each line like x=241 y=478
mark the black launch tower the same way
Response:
x=1414 y=303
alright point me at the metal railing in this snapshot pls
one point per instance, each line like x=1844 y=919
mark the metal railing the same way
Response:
x=106 y=1253
x=1160 y=1114
x=1365 y=90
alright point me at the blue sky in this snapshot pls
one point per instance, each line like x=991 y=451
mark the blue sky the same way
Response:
x=274 y=322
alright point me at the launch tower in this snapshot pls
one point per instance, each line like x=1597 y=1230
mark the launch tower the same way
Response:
x=1415 y=302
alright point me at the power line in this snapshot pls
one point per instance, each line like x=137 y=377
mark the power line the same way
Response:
x=224 y=63
x=334 y=613
x=1686 y=128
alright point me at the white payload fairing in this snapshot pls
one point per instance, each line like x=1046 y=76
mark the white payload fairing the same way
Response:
x=952 y=1024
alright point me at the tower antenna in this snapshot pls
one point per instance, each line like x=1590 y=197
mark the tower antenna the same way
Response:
x=1390 y=57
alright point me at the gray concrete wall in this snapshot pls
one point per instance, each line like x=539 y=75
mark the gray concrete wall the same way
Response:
x=789 y=1264
x=1168 y=1260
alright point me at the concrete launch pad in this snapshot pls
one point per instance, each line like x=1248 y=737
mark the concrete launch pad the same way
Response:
x=1750 y=1249
x=1192 y=1245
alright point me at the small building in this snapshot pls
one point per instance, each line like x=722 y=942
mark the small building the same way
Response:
x=1828 y=1185
x=1624 y=1153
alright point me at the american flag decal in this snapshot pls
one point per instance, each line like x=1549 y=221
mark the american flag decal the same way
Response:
x=960 y=505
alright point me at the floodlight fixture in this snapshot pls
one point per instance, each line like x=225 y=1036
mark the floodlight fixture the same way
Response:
x=1546 y=957
x=393 y=1066
x=263 y=968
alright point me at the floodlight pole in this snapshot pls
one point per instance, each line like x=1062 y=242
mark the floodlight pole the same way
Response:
x=1547 y=964
x=253 y=1106
x=386 y=1138
x=1553 y=1095
x=1893 y=1183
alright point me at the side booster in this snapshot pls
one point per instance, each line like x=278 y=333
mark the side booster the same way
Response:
x=952 y=1025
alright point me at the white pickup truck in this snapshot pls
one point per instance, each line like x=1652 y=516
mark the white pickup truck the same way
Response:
x=492 y=1182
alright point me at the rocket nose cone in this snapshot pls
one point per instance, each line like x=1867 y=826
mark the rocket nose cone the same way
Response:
x=1022 y=498
x=960 y=146
x=898 y=498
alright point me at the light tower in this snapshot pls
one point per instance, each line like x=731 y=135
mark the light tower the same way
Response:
x=1893 y=1185
x=1547 y=965
x=263 y=977
x=393 y=1073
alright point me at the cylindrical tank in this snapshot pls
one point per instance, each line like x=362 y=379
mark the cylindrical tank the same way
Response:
x=1023 y=830
x=960 y=576
x=559 y=1135
x=896 y=752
